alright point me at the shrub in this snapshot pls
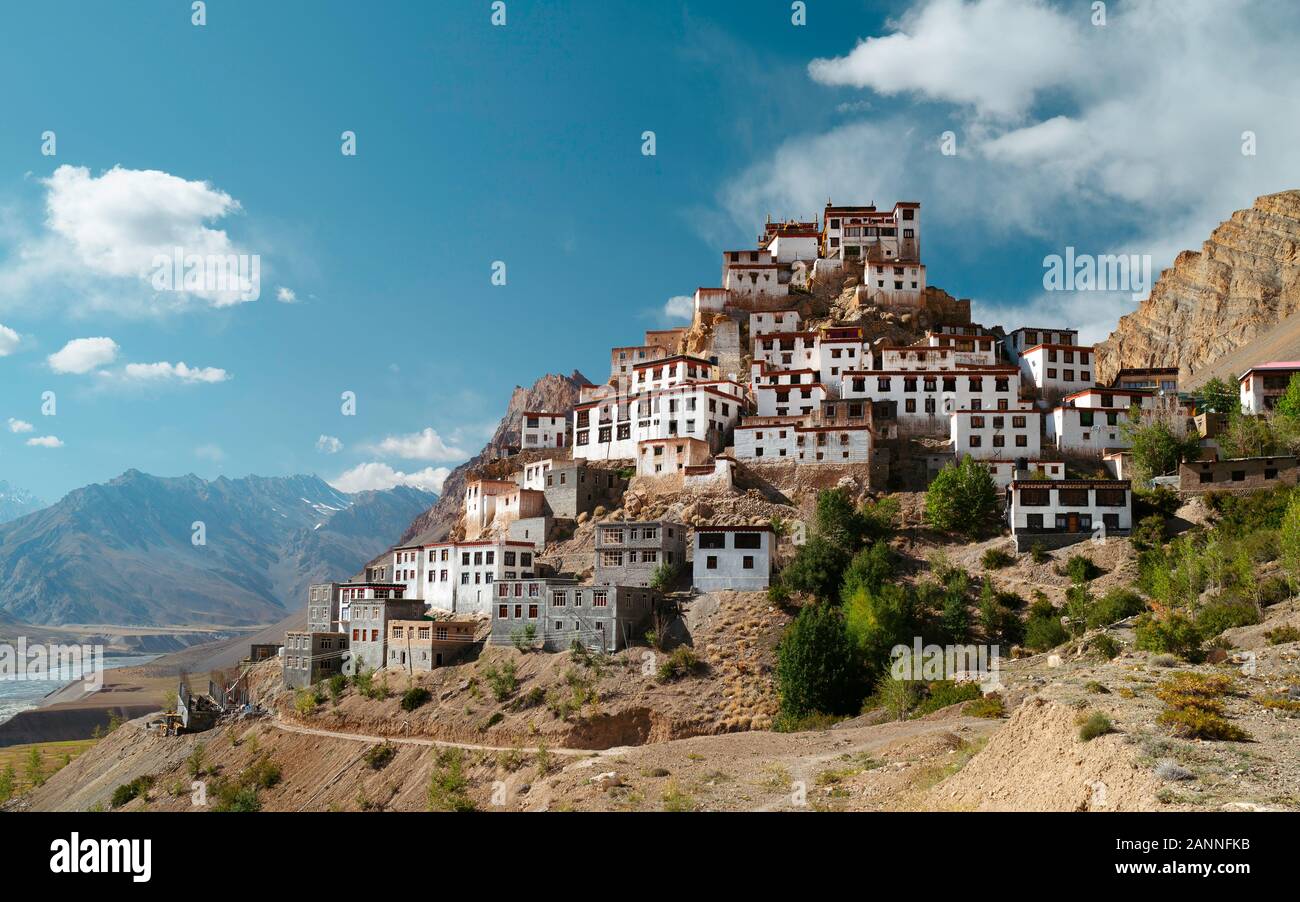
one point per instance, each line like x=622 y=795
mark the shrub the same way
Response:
x=1105 y=645
x=414 y=697
x=1094 y=725
x=682 y=662
x=664 y=577
x=1160 y=500
x=8 y=780
x=261 y=774
x=1221 y=615
x=1273 y=590
x=990 y=706
x=305 y=701
x=942 y=693
x=1116 y=605
x=1038 y=553
x=817 y=666
x=1282 y=635
x=1173 y=633
x=1043 y=629
x=1149 y=533
x=128 y=791
x=502 y=680
x=1081 y=569
x=869 y=569
x=523 y=638
x=231 y=797
x=1195 y=707
x=337 y=684
x=897 y=697
x=1195 y=723
x=194 y=763
x=817 y=569
x=963 y=498
x=379 y=756
x=448 y=784
x=996 y=559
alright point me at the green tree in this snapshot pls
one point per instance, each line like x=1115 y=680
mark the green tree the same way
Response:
x=7 y=783
x=817 y=569
x=836 y=520
x=1221 y=396
x=1289 y=404
x=870 y=569
x=1290 y=541
x=962 y=498
x=1247 y=436
x=817 y=667
x=876 y=620
x=35 y=767
x=1157 y=448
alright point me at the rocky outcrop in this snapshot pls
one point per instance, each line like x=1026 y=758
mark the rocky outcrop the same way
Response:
x=553 y=393
x=1244 y=280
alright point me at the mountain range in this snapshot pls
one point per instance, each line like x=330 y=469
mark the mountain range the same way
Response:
x=16 y=502
x=151 y=551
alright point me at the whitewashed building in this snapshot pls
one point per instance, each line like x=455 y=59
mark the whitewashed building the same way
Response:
x=1005 y=471
x=611 y=428
x=533 y=476
x=970 y=350
x=832 y=444
x=923 y=401
x=458 y=576
x=539 y=429
x=996 y=434
x=1058 y=369
x=1087 y=430
x=621 y=361
x=749 y=279
x=1264 y=383
x=787 y=397
x=670 y=456
x=1026 y=337
x=775 y=321
x=1062 y=512
x=767 y=439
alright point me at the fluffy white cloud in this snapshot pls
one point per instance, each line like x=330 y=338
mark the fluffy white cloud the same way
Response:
x=8 y=340
x=328 y=444
x=105 y=236
x=286 y=295
x=16 y=425
x=992 y=54
x=81 y=355
x=379 y=476
x=423 y=445
x=1129 y=135
x=45 y=441
x=164 y=371
x=680 y=306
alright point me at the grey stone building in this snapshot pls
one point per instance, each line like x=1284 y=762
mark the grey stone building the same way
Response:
x=627 y=553
x=323 y=608
x=732 y=557
x=575 y=487
x=368 y=629
x=560 y=611
x=310 y=657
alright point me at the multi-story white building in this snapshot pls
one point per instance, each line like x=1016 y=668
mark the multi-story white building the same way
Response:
x=670 y=456
x=621 y=361
x=791 y=241
x=480 y=506
x=767 y=439
x=791 y=394
x=543 y=430
x=996 y=434
x=1056 y=369
x=832 y=444
x=1005 y=471
x=1110 y=398
x=747 y=279
x=1026 y=337
x=732 y=557
x=1264 y=383
x=923 y=400
x=1088 y=430
x=656 y=375
x=785 y=351
x=533 y=476
x=611 y=427
x=857 y=233
x=458 y=576
x=839 y=350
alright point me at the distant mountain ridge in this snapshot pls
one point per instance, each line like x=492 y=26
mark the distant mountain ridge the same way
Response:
x=16 y=502
x=123 y=552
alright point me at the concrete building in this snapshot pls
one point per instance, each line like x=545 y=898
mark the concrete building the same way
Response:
x=788 y=396
x=1057 y=369
x=1004 y=471
x=751 y=279
x=558 y=612
x=533 y=476
x=1264 y=383
x=1062 y=512
x=1087 y=430
x=773 y=322
x=832 y=444
x=791 y=241
x=968 y=350
x=767 y=439
x=627 y=553
x=575 y=487
x=353 y=593
x=670 y=456
x=732 y=557
x=921 y=401
x=610 y=429
x=861 y=233
x=310 y=657
x=621 y=361
x=458 y=576
x=480 y=507
x=1239 y=474
x=420 y=645
x=323 y=607
x=997 y=434
x=539 y=429
x=1026 y=337
x=368 y=630
x=1162 y=380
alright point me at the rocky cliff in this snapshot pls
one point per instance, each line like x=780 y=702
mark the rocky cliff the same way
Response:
x=1242 y=283
x=552 y=392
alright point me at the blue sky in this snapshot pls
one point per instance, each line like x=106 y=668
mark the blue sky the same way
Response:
x=477 y=143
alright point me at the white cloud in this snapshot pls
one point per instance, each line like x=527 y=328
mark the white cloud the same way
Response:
x=1127 y=136
x=286 y=295
x=8 y=340
x=16 y=425
x=680 y=306
x=45 y=441
x=992 y=54
x=164 y=371
x=423 y=445
x=211 y=452
x=328 y=444
x=380 y=476
x=81 y=355
x=103 y=237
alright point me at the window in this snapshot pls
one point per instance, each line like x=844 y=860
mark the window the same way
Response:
x=1036 y=497
x=1074 y=497
x=711 y=562
x=600 y=598
x=611 y=558
x=747 y=562
x=748 y=540
x=532 y=612
x=1111 y=497
x=713 y=540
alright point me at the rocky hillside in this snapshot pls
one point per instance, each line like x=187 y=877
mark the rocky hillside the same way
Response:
x=1243 y=281
x=16 y=502
x=552 y=392
x=122 y=551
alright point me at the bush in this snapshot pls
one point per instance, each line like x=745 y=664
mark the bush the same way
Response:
x=414 y=697
x=817 y=569
x=869 y=569
x=664 y=577
x=1149 y=533
x=1160 y=500
x=963 y=498
x=337 y=684
x=523 y=638
x=942 y=693
x=682 y=662
x=996 y=559
x=817 y=669
x=1195 y=707
x=1081 y=569
x=1273 y=590
x=194 y=763
x=1221 y=615
x=990 y=706
x=1043 y=629
x=1038 y=553
x=1116 y=605
x=1105 y=645
x=128 y=791
x=305 y=701
x=379 y=756
x=1174 y=633
x=897 y=697
x=1094 y=725
x=448 y=784
x=1282 y=635
x=502 y=680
